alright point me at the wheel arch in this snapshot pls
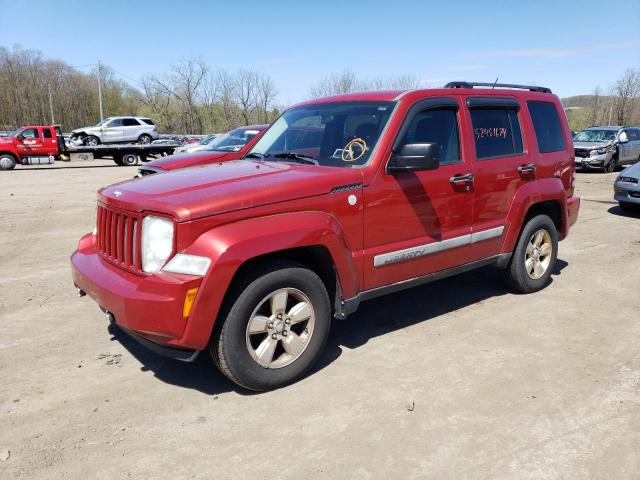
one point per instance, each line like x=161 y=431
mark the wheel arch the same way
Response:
x=312 y=239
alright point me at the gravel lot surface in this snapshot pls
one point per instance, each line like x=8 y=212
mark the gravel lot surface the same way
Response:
x=457 y=379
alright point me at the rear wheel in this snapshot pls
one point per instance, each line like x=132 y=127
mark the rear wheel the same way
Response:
x=7 y=162
x=276 y=328
x=91 y=141
x=144 y=139
x=118 y=161
x=129 y=159
x=534 y=257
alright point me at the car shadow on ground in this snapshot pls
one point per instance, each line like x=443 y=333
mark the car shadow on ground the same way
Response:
x=618 y=210
x=374 y=318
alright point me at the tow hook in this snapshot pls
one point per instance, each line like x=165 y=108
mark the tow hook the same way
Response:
x=109 y=316
x=81 y=293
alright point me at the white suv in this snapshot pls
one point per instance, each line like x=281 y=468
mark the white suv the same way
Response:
x=117 y=130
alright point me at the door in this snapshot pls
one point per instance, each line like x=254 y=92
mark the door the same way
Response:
x=29 y=142
x=417 y=223
x=113 y=132
x=131 y=129
x=629 y=152
x=499 y=156
x=49 y=142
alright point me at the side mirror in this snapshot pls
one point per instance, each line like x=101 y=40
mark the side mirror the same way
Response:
x=20 y=136
x=623 y=137
x=415 y=157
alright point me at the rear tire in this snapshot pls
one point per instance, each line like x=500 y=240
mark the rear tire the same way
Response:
x=91 y=141
x=7 y=162
x=275 y=328
x=534 y=257
x=118 y=161
x=144 y=139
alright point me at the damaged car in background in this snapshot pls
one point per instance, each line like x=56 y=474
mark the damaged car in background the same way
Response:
x=606 y=148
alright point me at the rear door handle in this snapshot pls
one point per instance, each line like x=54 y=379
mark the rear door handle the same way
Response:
x=531 y=168
x=459 y=179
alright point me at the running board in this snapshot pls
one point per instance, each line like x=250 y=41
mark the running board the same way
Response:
x=350 y=305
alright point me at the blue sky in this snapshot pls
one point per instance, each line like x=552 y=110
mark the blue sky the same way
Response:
x=569 y=46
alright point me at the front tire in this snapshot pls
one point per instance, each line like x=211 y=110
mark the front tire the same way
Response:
x=91 y=141
x=275 y=329
x=629 y=207
x=7 y=162
x=611 y=166
x=534 y=257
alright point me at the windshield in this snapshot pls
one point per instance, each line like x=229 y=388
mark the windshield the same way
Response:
x=341 y=134
x=207 y=140
x=595 y=136
x=232 y=141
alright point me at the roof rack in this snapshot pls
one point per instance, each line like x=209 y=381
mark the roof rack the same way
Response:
x=502 y=85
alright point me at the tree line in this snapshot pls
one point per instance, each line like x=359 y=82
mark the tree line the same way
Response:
x=193 y=98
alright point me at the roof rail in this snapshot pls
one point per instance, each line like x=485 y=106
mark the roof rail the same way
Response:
x=502 y=85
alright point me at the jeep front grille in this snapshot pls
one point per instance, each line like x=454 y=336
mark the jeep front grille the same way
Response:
x=118 y=237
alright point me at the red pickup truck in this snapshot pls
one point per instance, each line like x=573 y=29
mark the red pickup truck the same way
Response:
x=30 y=145
x=251 y=259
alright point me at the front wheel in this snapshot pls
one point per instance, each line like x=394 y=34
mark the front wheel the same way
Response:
x=534 y=257
x=91 y=141
x=275 y=329
x=7 y=162
x=611 y=166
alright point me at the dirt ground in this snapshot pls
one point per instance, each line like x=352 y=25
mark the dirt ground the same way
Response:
x=456 y=379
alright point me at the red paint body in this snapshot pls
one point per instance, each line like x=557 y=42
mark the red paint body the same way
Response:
x=239 y=210
x=45 y=144
x=203 y=157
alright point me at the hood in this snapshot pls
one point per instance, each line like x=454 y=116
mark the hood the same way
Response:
x=193 y=193
x=192 y=159
x=6 y=139
x=633 y=171
x=590 y=145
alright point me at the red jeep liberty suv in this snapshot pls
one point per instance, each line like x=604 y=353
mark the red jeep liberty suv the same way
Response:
x=252 y=258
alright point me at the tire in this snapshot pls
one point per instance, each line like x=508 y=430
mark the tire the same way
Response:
x=629 y=207
x=145 y=139
x=129 y=159
x=118 y=161
x=517 y=275
x=91 y=141
x=7 y=162
x=611 y=166
x=269 y=358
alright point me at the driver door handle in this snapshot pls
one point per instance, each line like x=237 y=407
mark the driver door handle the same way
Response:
x=531 y=168
x=460 y=179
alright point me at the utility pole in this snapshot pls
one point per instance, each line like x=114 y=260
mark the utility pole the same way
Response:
x=51 y=104
x=610 y=111
x=100 y=91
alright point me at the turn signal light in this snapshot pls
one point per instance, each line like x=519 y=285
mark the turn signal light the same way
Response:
x=189 y=299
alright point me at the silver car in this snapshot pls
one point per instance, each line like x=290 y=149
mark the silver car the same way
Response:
x=117 y=130
x=627 y=188
x=605 y=148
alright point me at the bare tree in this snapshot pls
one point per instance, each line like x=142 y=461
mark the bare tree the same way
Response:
x=595 y=107
x=347 y=82
x=626 y=90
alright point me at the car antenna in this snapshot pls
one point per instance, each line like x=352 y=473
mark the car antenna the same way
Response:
x=494 y=84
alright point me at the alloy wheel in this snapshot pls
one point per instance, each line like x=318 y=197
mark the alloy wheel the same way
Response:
x=538 y=254
x=280 y=328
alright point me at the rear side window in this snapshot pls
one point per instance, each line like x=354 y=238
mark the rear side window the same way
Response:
x=46 y=133
x=496 y=132
x=130 y=122
x=547 y=126
x=147 y=121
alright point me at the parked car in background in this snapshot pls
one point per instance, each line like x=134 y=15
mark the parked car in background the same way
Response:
x=117 y=130
x=627 y=188
x=251 y=259
x=195 y=147
x=230 y=146
x=605 y=148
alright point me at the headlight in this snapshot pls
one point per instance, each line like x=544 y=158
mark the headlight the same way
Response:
x=189 y=264
x=599 y=151
x=157 y=242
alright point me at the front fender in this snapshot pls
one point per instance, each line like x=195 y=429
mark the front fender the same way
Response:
x=537 y=191
x=231 y=245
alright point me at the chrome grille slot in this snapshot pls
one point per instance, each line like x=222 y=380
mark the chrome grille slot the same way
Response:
x=118 y=238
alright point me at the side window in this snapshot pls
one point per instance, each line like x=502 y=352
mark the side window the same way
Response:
x=46 y=133
x=30 y=133
x=496 y=132
x=436 y=125
x=130 y=122
x=633 y=135
x=148 y=121
x=115 y=123
x=547 y=126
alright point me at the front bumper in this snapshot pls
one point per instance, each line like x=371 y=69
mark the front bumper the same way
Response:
x=598 y=162
x=627 y=192
x=148 y=306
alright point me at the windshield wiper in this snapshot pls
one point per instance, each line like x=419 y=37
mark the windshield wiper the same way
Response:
x=255 y=155
x=294 y=156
